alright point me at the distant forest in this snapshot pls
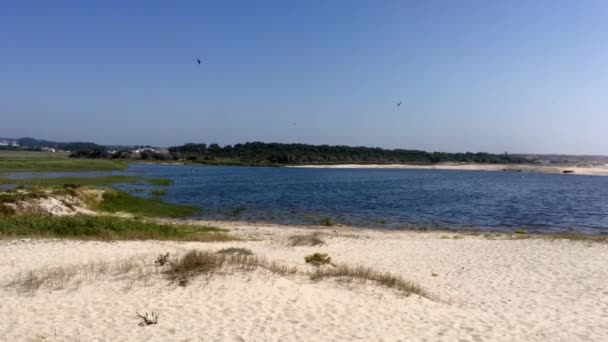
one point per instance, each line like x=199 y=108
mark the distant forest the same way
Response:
x=258 y=153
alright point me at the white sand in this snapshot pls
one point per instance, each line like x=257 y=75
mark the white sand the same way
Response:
x=578 y=170
x=491 y=290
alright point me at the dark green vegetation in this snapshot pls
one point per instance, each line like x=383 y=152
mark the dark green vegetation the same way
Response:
x=16 y=161
x=119 y=201
x=103 y=228
x=258 y=153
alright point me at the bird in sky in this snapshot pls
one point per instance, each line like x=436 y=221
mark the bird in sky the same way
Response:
x=399 y=104
x=198 y=61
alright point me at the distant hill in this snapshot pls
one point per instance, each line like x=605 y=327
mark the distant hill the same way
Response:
x=31 y=143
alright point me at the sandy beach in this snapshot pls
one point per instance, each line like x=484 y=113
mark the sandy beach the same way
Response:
x=481 y=288
x=578 y=170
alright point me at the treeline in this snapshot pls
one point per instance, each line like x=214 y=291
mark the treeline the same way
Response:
x=258 y=153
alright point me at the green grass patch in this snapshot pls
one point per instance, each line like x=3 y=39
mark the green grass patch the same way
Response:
x=73 y=181
x=160 y=181
x=119 y=201
x=29 y=161
x=104 y=228
x=158 y=192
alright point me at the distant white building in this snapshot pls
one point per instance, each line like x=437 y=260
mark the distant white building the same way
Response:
x=5 y=142
x=48 y=149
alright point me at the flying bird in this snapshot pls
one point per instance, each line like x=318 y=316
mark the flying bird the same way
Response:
x=198 y=61
x=399 y=104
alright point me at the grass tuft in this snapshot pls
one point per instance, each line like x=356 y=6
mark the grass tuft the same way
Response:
x=313 y=239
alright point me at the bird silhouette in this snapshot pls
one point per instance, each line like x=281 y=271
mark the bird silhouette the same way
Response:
x=399 y=104
x=198 y=61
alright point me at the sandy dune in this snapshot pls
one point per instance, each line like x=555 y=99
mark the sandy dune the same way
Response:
x=483 y=289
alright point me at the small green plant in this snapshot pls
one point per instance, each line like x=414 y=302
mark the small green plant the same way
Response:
x=520 y=231
x=318 y=259
x=162 y=259
x=309 y=218
x=237 y=211
x=326 y=221
x=235 y=251
x=147 y=320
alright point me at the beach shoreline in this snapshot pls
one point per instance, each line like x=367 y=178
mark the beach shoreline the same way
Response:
x=534 y=168
x=489 y=286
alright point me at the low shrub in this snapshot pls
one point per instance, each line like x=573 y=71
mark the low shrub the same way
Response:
x=318 y=259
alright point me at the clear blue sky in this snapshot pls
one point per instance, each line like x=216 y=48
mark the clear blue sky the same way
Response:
x=516 y=76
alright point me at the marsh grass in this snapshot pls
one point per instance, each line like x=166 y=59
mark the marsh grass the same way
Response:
x=120 y=201
x=364 y=274
x=312 y=239
x=563 y=236
x=73 y=182
x=160 y=181
x=29 y=161
x=104 y=228
x=158 y=192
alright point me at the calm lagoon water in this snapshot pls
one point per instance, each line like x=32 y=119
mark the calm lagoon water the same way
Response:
x=388 y=198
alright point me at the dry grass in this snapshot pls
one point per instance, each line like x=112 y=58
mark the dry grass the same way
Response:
x=202 y=263
x=235 y=250
x=61 y=277
x=313 y=239
x=191 y=265
x=364 y=274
